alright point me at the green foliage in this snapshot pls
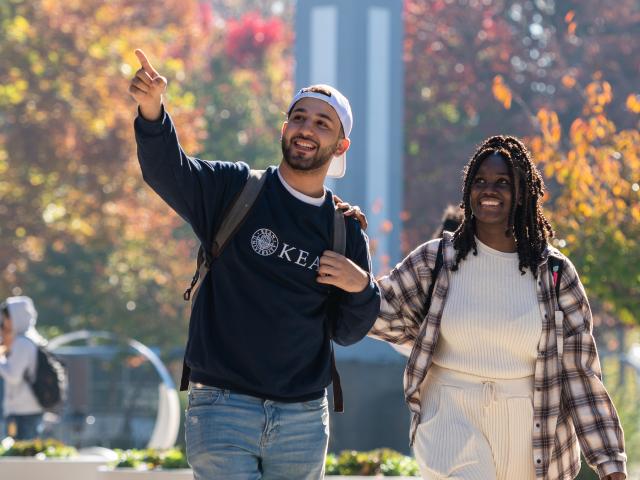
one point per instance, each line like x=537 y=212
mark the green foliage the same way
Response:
x=48 y=448
x=625 y=392
x=586 y=472
x=383 y=461
x=152 y=459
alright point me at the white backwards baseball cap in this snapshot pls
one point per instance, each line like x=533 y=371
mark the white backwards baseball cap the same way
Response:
x=340 y=104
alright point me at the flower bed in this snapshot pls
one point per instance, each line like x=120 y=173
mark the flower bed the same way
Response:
x=54 y=461
x=152 y=464
x=46 y=459
x=382 y=462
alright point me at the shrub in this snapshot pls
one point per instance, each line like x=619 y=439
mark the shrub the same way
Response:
x=383 y=461
x=39 y=448
x=152 y=459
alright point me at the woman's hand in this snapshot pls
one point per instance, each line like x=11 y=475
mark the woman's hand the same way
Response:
x=350 y=211
x=615 y=476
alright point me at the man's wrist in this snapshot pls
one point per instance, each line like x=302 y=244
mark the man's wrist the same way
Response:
x=150 y=114
x=366 y=282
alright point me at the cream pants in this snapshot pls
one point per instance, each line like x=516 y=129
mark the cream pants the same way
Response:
x=475 y=428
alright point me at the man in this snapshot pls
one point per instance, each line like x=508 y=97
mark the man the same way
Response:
x=18 y=354
x=259 y=346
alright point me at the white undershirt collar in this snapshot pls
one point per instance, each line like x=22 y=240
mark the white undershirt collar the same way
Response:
x=315 y=201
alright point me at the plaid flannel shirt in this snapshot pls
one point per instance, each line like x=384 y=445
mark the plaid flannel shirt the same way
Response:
x=570 y=402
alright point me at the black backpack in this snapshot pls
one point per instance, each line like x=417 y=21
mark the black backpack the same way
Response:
x=49 y=384
x=233 y=219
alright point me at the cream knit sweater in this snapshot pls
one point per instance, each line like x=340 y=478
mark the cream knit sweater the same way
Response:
x=491 y=324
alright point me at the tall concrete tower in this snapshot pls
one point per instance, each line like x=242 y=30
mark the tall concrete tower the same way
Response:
x=356 y=45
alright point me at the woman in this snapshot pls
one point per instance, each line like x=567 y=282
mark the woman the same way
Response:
x=503 y=379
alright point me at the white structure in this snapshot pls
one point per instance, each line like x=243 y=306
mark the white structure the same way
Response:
x=167 y=424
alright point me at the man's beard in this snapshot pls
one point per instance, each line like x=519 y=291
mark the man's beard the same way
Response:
x=297 y=162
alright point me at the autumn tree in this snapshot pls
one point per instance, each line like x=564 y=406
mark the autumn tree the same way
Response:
x=80 y=232
x=459 y=52
x=248 y=89
x=594 y=203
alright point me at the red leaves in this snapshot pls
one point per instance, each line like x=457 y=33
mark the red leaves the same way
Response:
x=250 y=37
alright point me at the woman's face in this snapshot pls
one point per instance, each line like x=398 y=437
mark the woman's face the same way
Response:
x=490 y=194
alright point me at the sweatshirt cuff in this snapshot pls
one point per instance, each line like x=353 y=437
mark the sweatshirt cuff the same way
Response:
x=608 y=468
x=151 y=128
x=366 y=295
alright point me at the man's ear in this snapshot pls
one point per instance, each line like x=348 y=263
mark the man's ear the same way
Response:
x=284 y=127
x=343 y=146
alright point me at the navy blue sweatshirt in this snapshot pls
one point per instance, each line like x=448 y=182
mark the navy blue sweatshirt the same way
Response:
x=260 y=323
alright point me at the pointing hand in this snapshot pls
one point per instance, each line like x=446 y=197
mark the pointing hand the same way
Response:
x=147 y=87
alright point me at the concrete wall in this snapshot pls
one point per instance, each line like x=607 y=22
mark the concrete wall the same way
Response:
x=375 y=413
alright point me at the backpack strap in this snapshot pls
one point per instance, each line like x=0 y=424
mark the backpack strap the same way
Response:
x=555 y=267
x=231 y=222
x=339 y=246
x=238 y=211
x=339 y=232
x=434 y=274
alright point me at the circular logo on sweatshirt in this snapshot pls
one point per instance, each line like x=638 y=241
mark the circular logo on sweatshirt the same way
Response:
x=264 y=242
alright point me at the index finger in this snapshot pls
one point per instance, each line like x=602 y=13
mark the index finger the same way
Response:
x=145 y=63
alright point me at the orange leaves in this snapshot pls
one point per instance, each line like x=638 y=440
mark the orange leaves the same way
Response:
x=600 y=127
x=586 y=131
x=568 y=81
x=577 y=132
x=569 y=18
x=501 y=91
x=598 y=172
x=633 y=103
x=599 y=94
x=386 y=226
x=549 y=125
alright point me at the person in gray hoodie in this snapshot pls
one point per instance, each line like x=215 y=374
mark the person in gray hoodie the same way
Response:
x=18 y=354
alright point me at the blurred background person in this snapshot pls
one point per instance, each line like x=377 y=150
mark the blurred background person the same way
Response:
x=18 y=354
x=451 y=219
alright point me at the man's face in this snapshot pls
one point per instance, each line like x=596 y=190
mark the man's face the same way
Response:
x=311 y=135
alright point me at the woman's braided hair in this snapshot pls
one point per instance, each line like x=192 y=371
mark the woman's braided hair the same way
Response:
x=527 y=223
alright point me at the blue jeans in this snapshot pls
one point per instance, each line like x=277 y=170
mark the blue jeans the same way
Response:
x=23 y=427
x=240 y=437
